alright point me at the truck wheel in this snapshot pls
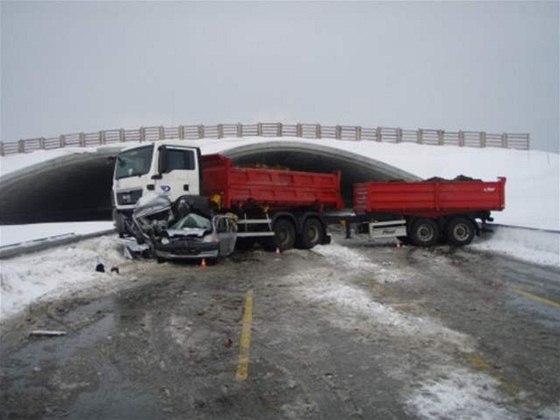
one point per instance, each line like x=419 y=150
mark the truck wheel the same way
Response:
x=460 y=231
x=424 y=232
x=311 y=234
x=284 y=234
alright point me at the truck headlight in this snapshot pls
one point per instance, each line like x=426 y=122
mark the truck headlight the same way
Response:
x=165 y=241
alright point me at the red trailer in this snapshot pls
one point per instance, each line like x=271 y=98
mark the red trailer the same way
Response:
x=281 y=207
x=433 y=210
x=239 y=187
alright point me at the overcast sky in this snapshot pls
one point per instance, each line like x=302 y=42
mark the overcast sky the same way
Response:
x=86 y=66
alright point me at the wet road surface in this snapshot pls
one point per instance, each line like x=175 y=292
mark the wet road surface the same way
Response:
x=349 y=330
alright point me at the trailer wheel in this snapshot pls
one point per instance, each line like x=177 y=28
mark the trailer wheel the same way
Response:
x=311 y=234
x=460 y=231
x=284 y=235
x=424 y=232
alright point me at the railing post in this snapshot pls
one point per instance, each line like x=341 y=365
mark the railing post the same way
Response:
x=102 y=137
x=182 y=132
x=482 y=139
x=122 y=135
x=259 y=130
x=461 y=134
x=318 y=131
x=528 y=143
x=280 y=130
x=21 y=146
x=1 y=148
x=220 y=131
x=82 y=139
x=338 y=132
x=62 y=140
x=201 y=131
x=378 y=134
x=239 y=130
x=299 y=130
x=505 y=140
x=42 y=143
x=161 y=133
x=440 y=137
x=142 y=134
x=419 y=136
x=358 y=132
x=399 y=135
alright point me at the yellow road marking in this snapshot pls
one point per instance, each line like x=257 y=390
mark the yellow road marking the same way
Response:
x=477 y=362
x=243 y=364
x=537 y=298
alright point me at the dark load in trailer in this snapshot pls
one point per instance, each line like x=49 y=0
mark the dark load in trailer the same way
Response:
x=433 y=211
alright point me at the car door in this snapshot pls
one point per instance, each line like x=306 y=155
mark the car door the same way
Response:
x=226 y=229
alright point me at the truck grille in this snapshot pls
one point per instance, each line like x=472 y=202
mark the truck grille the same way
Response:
x=129 y=197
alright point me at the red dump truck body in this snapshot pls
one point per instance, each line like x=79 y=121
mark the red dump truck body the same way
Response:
x=429 y=198
x=273 y=188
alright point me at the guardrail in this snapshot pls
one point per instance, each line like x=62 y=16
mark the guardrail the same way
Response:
x=308 y=131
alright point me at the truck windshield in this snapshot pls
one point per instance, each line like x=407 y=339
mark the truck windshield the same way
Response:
x=134 y=162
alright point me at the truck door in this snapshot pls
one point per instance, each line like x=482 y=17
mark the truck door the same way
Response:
x=179 y=171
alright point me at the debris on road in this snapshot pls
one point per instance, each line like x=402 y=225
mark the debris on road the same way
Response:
x=46 y=333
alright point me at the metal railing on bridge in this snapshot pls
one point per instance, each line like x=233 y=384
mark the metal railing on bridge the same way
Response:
x=459 y=138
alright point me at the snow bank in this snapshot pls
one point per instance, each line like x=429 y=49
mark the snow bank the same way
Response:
x=56 y=272
x=536 y=246
x=20 y=234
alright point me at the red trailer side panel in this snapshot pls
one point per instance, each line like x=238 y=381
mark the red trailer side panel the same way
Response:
x=268 y=187
x=429 y=198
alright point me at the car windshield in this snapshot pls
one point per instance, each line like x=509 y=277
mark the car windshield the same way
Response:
x=193 y=221
x=134 y=162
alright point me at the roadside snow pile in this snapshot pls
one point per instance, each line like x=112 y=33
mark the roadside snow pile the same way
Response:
x=460 y=395
x=18 y=234
x=56 y=272
x=540 y=247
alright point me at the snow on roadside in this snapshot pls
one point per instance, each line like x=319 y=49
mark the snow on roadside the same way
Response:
x=15 y=234
x=535 y=246
x=461 y=394
x=56 y=272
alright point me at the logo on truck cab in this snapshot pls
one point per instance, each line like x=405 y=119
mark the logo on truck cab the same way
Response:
x=489 y=189
x=165 y=188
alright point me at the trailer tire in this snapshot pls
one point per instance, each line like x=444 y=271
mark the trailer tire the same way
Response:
x=311 y=233
x=284 y=235
x=460 y=231
x=424 y=232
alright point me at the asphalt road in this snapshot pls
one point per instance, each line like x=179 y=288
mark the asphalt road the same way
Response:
x=349 y=330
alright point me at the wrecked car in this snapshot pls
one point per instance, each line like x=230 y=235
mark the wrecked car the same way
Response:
x=184 y=229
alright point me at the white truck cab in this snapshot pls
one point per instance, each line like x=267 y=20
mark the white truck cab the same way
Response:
x=166 y=167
